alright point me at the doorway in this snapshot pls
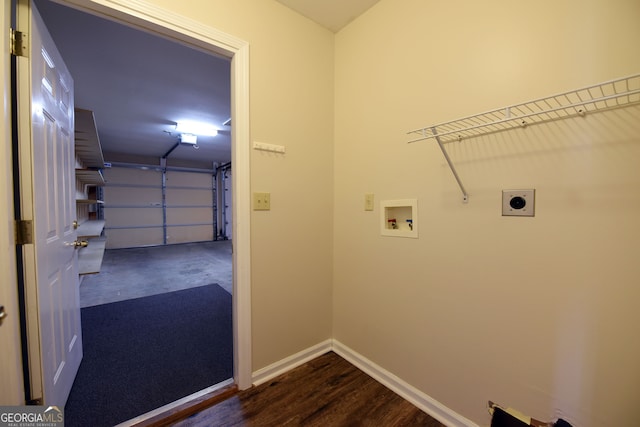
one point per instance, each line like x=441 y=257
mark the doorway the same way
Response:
x=209 y=40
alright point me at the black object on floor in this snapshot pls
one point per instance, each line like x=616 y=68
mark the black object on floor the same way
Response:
x=503 y=419
x=144 y=353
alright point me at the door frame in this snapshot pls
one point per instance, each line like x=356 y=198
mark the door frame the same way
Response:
x=10 y=340
x=147 y=17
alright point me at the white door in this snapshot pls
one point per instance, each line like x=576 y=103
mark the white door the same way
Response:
x=47 y=181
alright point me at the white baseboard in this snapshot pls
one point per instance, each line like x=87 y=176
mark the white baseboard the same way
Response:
x=265 y=374
x=426 y=403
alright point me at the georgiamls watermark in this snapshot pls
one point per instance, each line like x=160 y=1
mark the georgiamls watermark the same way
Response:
x=31 y=416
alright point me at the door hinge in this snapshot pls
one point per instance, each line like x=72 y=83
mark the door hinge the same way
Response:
x=18 y=43
x=24 y=232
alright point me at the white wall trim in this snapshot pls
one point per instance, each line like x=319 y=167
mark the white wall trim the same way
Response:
x=173 y=405
x=143 y=15
x=267 y=373
x=421 y=400
x=12 y=390
x=241 y=218
x=426 y=403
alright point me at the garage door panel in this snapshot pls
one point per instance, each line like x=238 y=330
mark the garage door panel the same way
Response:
x=133 y=217
x=135 y=196
x=189 y=179
x=129 y=176
x=189 y=197
x=189 y=234
x=135 y=237
x=182 y=216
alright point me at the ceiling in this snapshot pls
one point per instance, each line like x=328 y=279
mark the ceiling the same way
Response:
x=331 y=14
x=140 y=85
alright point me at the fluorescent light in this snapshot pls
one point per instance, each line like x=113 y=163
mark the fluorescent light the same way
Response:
x=188 y=138
x=196 y=128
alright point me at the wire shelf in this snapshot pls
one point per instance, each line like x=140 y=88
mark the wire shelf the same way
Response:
x=616 y=93
x=603 y=96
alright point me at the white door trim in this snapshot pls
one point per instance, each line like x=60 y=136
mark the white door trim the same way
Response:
x=145 y=16
x=12 y=390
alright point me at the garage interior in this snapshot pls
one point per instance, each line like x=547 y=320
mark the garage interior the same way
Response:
x=153 y=201
x=142 y=182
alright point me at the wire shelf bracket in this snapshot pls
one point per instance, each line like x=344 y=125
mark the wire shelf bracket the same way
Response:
x=608 y=95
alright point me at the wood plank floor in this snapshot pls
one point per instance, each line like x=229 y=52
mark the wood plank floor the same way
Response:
x=327 y=391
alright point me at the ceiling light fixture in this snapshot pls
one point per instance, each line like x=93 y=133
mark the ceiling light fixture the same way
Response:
x=196 y=128
x=188 y=138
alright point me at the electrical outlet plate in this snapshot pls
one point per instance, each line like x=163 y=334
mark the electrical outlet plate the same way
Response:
x=261 y=201
x=518 y=202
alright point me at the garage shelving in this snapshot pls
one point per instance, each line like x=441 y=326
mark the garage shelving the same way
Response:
x=89 y=177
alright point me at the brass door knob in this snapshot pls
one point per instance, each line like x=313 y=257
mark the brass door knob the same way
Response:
x=80 y=244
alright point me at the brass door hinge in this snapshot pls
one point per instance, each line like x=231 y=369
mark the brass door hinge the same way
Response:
x=24 y=232
x=18 y=43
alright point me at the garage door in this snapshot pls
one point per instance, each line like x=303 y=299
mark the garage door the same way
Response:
x=149 y=206
x=189 y=207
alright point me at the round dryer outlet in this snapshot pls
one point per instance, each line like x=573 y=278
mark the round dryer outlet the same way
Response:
x=518 y=202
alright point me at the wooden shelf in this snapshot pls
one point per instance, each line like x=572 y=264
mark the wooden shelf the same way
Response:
x=91 y=228
x=90 y=258
x=90 y=176
x=89 y=202
x=87 y=143
x=89 y=153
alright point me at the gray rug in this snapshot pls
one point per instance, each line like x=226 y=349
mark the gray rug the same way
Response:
x=144 y=353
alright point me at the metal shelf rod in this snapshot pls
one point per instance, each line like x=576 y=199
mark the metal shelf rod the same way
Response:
x=465 y=196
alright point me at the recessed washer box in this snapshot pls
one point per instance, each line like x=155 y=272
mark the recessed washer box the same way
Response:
x=399 y=218
x=518 y=202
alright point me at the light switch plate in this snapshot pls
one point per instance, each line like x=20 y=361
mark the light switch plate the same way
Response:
x=261 y=201
x=518 y=202
x=368 y=201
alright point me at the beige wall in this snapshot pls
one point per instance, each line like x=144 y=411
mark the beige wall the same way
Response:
x=291 y=104
x=444 y=312
x=535 y=313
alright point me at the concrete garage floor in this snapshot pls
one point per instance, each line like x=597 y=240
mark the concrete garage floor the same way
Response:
x=139 y=272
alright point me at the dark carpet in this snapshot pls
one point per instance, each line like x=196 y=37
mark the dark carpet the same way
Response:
x=147 y=352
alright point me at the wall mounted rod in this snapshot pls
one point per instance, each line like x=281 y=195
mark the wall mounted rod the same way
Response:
x=465 y=196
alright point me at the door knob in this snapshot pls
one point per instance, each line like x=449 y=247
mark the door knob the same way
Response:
x=80 y=244
x=3 y=314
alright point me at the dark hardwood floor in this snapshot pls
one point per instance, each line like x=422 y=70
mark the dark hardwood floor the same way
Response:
x=327 y=391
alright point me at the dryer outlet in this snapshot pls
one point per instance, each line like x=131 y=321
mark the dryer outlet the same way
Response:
x=518 y=202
